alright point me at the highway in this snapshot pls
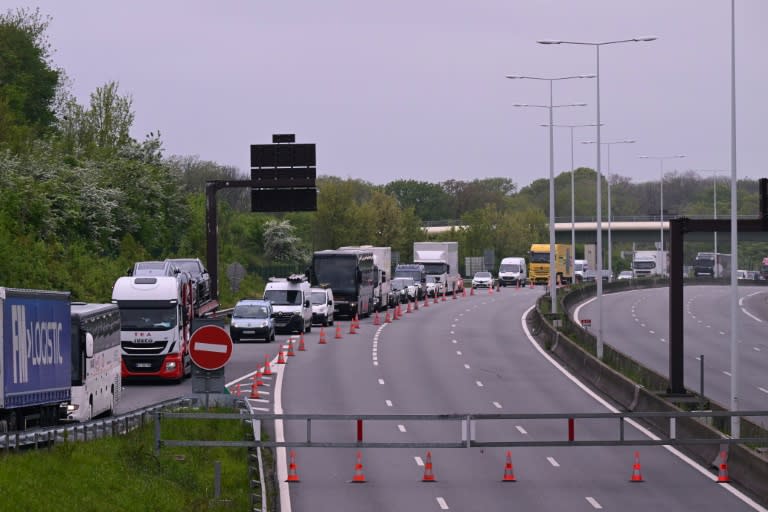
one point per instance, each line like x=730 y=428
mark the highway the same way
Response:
x=469 y=355
x=637 y=323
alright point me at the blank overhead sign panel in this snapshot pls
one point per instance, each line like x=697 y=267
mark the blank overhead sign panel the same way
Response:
x=284 y=177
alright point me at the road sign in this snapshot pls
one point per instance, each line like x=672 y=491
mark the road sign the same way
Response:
x=586 y=323
x=210 y=347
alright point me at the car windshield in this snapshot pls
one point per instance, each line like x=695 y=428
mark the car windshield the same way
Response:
x=483 y=275
x=251 y=311
x=318 y=298
x=401 y=282
x=283 y=297
x=509 y=267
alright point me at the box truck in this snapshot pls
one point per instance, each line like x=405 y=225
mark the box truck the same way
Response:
x=441 y=261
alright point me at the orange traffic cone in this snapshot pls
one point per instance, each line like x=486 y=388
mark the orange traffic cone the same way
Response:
x=254 y=390
x=426 y=301
x=376 y=319
x=722 y=473
x=472 y=292
x=352 y=327
x=257 y=378
x=280 y=358
x=436 y=298
x=387 y=319
x=322 y=337
x=338 y=331
x=408 y=308
x=509 y=474
x=359 y=477
x=290 y=349
x=356 y=322
x=267 y=368
x=444 y=294
x=636 y=476
x=302 y=348
x=463 y=292
x=428 y=475
x=293 y=476
x=237 y=390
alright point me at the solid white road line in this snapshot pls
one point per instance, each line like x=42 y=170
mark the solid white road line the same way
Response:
x=677 y=453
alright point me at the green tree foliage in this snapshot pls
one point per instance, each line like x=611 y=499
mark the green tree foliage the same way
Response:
x=428 y=200
x=28 y=82
x=281 y=244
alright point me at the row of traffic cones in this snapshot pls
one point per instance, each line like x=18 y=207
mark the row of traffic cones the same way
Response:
x=508 y=476
x=358 y=477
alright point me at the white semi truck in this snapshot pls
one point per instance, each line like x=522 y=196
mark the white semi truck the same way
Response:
x=649 y=263
x=440 y=259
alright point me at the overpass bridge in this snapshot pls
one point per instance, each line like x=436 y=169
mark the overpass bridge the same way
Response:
x=621 y=231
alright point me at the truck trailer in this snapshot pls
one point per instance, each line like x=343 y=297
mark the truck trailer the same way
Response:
x=35 y=386
x=649 y=263
x=440 y=260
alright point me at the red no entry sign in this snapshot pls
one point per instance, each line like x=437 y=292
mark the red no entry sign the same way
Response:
x=210 y=347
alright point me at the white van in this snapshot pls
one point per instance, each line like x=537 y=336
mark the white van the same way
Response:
x=290 y=298
x=513 y=271
x=579 y=267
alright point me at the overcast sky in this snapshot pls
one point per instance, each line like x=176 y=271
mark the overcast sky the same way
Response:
x=416 y=89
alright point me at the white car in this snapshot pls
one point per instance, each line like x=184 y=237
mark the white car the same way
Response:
x=482 y=280
x=625 y=274
x=434 y=286
x=405 y=289
x=322 y=306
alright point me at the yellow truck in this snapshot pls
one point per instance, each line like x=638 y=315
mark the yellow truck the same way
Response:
x=538 y=267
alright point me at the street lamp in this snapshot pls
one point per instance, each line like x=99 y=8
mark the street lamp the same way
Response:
x=661 y=191
x=573 y=170
x=551 y=80
x=714 y=206
x=608 y=181
x=597 y=46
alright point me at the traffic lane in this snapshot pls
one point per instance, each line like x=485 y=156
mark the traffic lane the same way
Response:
x=643 y=336
x=484 y=464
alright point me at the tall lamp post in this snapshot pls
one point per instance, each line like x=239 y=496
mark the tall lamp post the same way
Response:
x=573 y=188
x=551 y=107
x=661 y=191
x=714 y=206
x=608 y=181
x=597 y=46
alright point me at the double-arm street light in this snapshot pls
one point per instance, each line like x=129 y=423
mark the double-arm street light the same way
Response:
x=608 y=167
x=551 y=107
x=573 y=171
x=597 y=46
x=661 y=191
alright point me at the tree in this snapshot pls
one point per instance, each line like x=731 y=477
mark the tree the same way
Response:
x=28 y=82
x=280 y=243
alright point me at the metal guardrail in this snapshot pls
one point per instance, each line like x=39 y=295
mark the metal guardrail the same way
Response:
x=467 y=428
x=86 y=431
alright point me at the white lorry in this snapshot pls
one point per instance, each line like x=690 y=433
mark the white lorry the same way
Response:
x=512 y=272
x=441 y=260
x=291 y=303
x=649 y=263
x=383 y=296
x=579 y=267
x=156 y=324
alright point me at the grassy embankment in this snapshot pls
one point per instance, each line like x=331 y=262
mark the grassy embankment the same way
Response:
x=123 y=473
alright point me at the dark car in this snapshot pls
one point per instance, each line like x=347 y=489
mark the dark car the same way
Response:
x=195 y=268
x=252 y=319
